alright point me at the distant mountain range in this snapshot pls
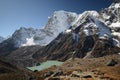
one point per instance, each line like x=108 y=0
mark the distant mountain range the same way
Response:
x=99 y=36
x=1 y=39
x=61 y=21
x=57 y=23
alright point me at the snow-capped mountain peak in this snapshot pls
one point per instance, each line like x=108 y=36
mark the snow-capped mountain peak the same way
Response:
x=57 y=23
x=116 y=12
x=91 y=24
x=115 y=5
x=111 y=17
x=112 y=13
x=81 y=17
x=60 y=21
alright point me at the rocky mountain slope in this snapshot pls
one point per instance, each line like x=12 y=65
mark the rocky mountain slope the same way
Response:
x=24 y=56
x=6 y=67
x=111 y=18
x=10 y=71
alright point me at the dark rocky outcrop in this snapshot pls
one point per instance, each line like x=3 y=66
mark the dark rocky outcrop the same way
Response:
x=49 y=73
x=6 y=47
x=6 y=66
x=104 y=47
x=24 y=56
x=57 y=49
x=112 y=63
x=62 y=48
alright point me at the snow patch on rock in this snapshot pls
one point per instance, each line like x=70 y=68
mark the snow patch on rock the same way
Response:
x=81 y=17
x=114 y=25
x=116 y=42
x=29 y=42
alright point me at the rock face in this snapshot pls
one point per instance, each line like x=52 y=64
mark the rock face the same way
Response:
x=6 y=67
x=112 y=63
x=24 y=56
x=11 y=71
x=111 y=17
x=6 y=47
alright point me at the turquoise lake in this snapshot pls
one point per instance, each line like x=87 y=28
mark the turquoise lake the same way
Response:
x=45 y=65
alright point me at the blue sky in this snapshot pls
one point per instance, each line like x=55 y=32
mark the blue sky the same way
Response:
x=34 y=13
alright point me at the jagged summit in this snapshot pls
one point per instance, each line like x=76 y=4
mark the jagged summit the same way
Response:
x=115 y=5
x=81 y=17
x=60 y=21
x=111 y=14
x=90 y=23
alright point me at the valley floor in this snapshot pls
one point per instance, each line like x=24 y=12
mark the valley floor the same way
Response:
x=102 y=68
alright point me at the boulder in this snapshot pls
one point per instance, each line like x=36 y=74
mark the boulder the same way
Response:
x=112 y=63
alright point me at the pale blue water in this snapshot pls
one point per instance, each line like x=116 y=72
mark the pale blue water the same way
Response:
x=45 y=65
